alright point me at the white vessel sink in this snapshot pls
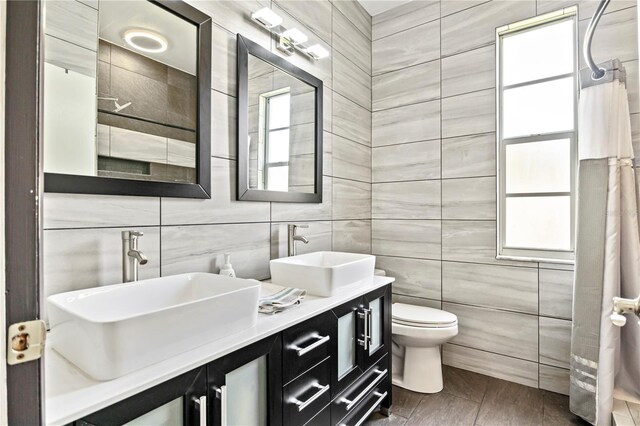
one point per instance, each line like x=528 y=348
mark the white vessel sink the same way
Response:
x=110 y=331
x=322 y=273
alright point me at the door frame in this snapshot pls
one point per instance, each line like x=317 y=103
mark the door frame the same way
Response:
x=23 y=180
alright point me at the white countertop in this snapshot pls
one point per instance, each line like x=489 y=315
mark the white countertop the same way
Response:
x=70 y=394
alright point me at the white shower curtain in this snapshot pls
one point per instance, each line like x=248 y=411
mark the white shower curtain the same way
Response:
x=603 y=356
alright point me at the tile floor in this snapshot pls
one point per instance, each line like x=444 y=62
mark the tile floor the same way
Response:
x=473 y=399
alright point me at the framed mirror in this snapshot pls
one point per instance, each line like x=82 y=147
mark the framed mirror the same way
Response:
x=279 y=128
x=127 y=98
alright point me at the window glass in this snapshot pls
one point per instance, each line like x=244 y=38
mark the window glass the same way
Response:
x=279 y=111
x=278 y=178
x=539 y=222
x=541 y=166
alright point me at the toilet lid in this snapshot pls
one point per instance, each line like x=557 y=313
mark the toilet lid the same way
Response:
x=421 y=316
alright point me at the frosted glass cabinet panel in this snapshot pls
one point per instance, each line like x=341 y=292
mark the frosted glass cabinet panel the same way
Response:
x=375 y=307
x=246 y=399
x=346 y=343
x=169 y=414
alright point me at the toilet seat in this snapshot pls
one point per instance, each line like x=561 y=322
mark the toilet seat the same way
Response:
x=422 y=316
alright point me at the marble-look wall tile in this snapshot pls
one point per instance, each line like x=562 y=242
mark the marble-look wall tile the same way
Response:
x=411 y=161
x=407 y=238
x=352 y=236
x=406 y=200
x=351 y=160
x=318 y=234
x=411 y=123
x=469 y=156
x=556 y=293
x=350 y=120
x=586 y=8
x=181 y=153
x=473 y=241
x=554 y=379
x=405 y=16
x=404 y=49
x=406 y=86
x=224 y=119
x=351 y=81
x=73 y=22
x=316 y=15
x=354 y=11
x=327 y=148
x=97 y=211
x=201 y=248
x=458 y=77
x=291 y=212
x=414 y=277
x=511 y=334
x=491 y=364
x=137 y=146
x=221 y=208
x=74 y=259
x=352 y=43
x=469 y=198
x=555 y=341
x=418 y=301
x=492 y=286
x=327 y=109
x=617 y=37
x=469 y=114
x=351 y=199
x=69 y=56
x=476 y=26
x=223 y=69
x=451 y=7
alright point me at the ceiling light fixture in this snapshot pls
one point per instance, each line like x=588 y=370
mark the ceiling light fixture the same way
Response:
x=146 y=41
x=267 y=17
x=317 y=52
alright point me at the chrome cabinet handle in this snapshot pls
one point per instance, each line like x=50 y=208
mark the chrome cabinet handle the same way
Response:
x=351 y=402
x=364 y=418
x=321 y=341
x=302 y=405
x=201 y=403
x=366 y=338
x=222 y=394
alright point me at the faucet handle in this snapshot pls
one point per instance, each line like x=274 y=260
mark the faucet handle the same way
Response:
x=301 y=226
x=136 y=233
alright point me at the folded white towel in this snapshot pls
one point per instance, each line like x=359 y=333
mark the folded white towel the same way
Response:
x=274 y=299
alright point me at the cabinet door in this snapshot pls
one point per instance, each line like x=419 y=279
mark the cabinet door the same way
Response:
x=347 y=335
x=179 y=401
x=245 y=387
x=377 y=323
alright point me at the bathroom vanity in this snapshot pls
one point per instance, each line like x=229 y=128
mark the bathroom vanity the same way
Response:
x=324 y=362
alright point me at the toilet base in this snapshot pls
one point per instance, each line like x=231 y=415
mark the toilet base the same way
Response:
x=424 y=368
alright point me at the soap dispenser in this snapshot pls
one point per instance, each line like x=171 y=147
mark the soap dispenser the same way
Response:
x=227 y=269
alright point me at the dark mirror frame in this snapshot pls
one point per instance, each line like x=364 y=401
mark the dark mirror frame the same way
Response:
x=247 y=47
x=78 y=184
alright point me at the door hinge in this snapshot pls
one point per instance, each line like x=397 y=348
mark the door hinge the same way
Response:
x=25 y=341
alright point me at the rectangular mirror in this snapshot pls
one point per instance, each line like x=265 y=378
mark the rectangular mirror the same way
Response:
x=127 y=93
x=279 y=128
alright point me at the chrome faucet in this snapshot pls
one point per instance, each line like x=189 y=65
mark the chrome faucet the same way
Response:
x=293 y=237
x=131 y=256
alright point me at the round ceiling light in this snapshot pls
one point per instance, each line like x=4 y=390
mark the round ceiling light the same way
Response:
x=145 y=41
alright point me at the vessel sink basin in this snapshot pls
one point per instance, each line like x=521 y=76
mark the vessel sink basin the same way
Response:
x=113 y=330
x=322 y=273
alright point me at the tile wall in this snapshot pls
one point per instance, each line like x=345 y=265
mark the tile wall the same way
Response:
x=433 y=173
x=82 y=232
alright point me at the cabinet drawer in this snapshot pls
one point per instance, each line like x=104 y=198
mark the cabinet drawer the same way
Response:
x=323 y=418
x=305 y=345
x=305 y=397
x=366 y=407
x=374 y=379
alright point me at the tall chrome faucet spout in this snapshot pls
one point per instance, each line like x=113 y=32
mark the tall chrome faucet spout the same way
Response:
x=131 y=256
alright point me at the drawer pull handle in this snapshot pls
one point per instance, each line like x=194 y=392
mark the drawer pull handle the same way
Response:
x=201 y=403
x=352 y=402
x=222 y=394
x=364 y=418
x=302 y=405
x=321 y=341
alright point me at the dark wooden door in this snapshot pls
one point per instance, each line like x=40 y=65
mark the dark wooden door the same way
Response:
x=22 y=199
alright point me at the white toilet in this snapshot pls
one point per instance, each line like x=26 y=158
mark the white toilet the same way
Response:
x=418 y=332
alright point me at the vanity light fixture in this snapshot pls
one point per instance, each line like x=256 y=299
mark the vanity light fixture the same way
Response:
x=267 y=17
x=289 y=40
x=146 y=41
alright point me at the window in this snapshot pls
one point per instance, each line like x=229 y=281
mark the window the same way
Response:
x=275 y=128
x=537 y=137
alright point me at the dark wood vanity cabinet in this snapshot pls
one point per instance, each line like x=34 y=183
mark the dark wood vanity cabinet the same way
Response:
x=332 y=369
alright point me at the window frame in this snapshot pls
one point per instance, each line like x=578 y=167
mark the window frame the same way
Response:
x=503 y=251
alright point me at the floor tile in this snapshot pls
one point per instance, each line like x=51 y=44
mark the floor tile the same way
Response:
x=404 y=401
x=378 y=419
x=556 y=411
x=443 y=409
x=507 y=403
x=464 y=384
